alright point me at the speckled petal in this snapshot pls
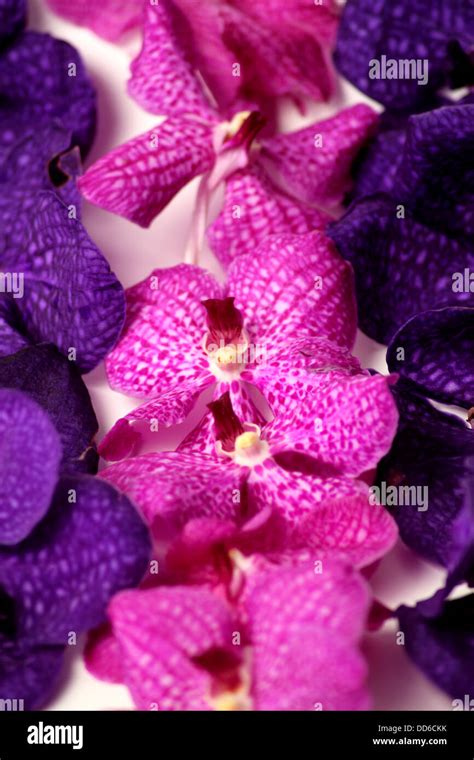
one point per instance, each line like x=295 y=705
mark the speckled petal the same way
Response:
x=30 y=452
x=288 y=374
x=294 y=286
x=162 y=632
x=50 y=82
x=161 y=344
x=91 y=545
x=401 y=266
x=442 y=646
x=11 y=339
x=314 y=163
x=402 y=30
x=348 y=425
x=28 y=673
x=109 y=18
x=430 y=453
x=71 y=298
x=42 y=160
x=163 y=77
x=437 y=170
x=171 y=488
x=322 y=514
x=55 y=384
x=12 y=18
x=433 y=351
x=306 y=629
x=139 y=178
x=171 y=408
x=253 y=209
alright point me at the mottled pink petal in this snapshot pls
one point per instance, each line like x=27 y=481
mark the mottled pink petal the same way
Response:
x=162 y=632
x=102 y=655
x=160 y=347
x=171 y=488
x=347 y=528
x=278 y=59
x=294 y=495
x=294 y=286
x=321 y=18
x=348 y=425
x=210 y=50
x=253 y=209
x=108 y=18
x=314 y=164
x=306 y=629
x=163 y=77
x=171 y=408
x=289 y=373
x=139 y=178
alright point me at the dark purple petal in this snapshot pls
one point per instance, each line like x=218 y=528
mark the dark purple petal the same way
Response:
x=63 y=575
x=401 y=30
x=431 y=452
x=402 y=267
x=11 y=339
x=56 y=385
x=42 y=160
x=71 y=298
x=28 y=673
x=30 y=453
x=12 y=18
x=376 y=168
x=437 y=356
x=43 y=79
x=436 y=175
x=443 y=646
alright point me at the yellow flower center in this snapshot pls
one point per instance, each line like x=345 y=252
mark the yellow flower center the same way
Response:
x=233 y=126
x=226 y=355
x=247 y=440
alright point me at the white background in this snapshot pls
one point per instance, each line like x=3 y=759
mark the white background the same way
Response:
x=133 y=252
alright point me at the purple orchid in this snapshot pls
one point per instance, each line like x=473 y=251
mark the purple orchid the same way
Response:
x=281 y=185
x=410 y=245
x=439 y=632
x=64 y=290
x=42 y=82
x=403 y=52
x=433 y=449
x=284 y=309
x=287 y=638
x=68 y=541
x=56 y=285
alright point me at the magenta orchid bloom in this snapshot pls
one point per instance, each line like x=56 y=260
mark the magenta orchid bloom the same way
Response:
x=243 y=49
x=286 y=183
x=285 y=309
x=282 y=638
x=288 y=486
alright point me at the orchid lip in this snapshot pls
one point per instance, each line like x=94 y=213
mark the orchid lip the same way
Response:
x=226 y=360
x=249 y=447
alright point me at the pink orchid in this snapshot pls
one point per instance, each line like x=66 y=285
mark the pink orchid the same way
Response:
x=287 y=308
x=243 y=49
x=287 y=639
x=284 y=184
x=289 y=486
x=108 y=18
